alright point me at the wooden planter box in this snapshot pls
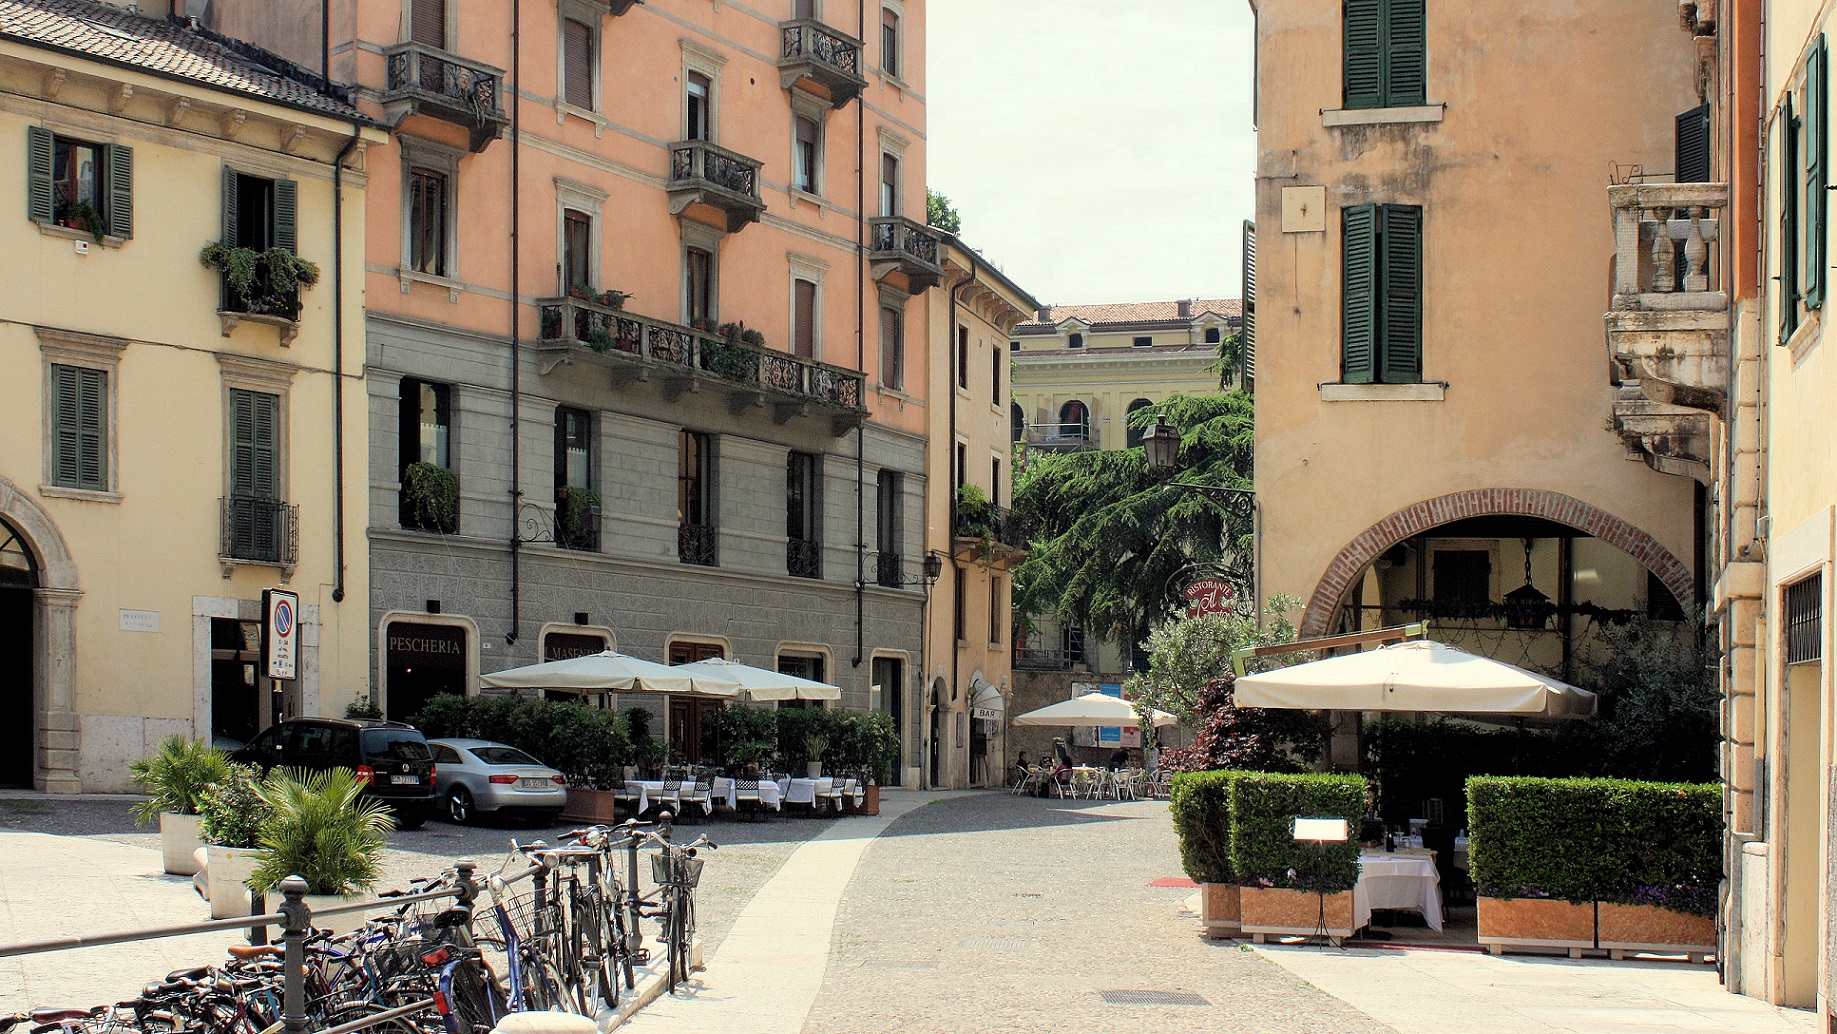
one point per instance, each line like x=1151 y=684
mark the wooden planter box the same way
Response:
x=1650 y=928
x=1221 y=909
x=1293 y=913
x=590 y=806
x=1536 y=923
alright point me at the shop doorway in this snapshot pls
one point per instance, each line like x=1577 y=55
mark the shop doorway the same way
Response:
x=422 y=661
x=690 y=738
x=235 y=690
x=18 y=736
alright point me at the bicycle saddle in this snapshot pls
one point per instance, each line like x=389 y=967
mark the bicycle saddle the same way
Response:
x=194 y=973
x=51 y=1014
x=244 y=952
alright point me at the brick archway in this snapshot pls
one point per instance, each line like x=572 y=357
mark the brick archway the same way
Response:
x=1521 y=502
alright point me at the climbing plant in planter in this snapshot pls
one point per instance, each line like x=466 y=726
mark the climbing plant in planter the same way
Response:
x=244 y=270
x=430 y=497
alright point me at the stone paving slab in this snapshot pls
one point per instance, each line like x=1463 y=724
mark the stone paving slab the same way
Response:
x=1527 y=994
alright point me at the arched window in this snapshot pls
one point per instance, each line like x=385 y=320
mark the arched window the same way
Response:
x=1135 y=433
x=1075 y=420
x=1017 y=421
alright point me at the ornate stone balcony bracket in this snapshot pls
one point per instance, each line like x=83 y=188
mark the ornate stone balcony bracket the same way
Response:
x=903 y=246
x=814 y=53
x=712 y=177
x=1668 y=323
x=426 y=81
x=1669 y=439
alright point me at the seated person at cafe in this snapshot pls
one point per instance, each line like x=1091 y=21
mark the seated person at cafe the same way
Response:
x=1062 y=761
x=1120 y=759
x=1021 y=766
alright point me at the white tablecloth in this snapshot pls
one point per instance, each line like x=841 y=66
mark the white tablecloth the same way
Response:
x=1404 y=880
x=806 y=791
x=771 y=794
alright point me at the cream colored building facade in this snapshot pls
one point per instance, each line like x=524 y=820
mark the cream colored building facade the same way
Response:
x=169 y=449
x=1433 y=397
x=967 y=680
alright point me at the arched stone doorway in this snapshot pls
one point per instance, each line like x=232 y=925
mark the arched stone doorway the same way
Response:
x=41 y=583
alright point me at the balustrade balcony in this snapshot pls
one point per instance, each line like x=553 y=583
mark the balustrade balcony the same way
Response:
x=1668 y=325
x=1072 y=437
x=680 y=359
x=426 y=81
x=900 y=245
x=815 y=54
x=707 y=177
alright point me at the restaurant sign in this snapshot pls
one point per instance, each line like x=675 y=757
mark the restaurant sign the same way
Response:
x=1207 y=596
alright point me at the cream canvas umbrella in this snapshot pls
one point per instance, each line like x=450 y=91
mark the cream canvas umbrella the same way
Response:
x=1091 y=709
x=761 y=683
x=1419 y=676
x=610 y=672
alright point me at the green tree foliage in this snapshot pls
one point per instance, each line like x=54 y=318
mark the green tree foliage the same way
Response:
x=1185 y=654
x=939 y=212
x=1230 y=364
x=1658 y=716
x=1110 y=541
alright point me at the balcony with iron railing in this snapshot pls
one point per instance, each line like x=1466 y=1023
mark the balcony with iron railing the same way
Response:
x=259 y=531
x=697 y=544
x=639 y=348
x=803 y=558
x=903 y=246
x=262 y=303
x=1668 y=326
x=818 y=55
x=1043 y=658
x=889 y=570
x=423 y=80
x=1071 y=437
x=708 y=177
x=988 y=533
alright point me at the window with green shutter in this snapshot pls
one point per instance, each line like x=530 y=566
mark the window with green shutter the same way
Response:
x=255 y=453
x=79 y=428
x=1789 y=220
x=1381 y=294
x=1817 y=159
x=83 y=186
x=1386 y=53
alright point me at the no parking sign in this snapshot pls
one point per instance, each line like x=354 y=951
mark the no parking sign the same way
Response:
x=280 y=631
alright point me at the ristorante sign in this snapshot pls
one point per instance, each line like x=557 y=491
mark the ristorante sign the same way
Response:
x=1205 y=596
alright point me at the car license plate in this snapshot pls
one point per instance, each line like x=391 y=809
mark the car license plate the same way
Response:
x=410 y=779
x=533 y=783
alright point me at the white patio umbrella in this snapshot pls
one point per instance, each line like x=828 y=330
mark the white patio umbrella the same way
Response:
x=610 y=672
x=1091 y=709
x=760 y=683
x=1419 y=676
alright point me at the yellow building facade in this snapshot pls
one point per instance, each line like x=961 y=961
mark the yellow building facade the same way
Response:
x=967 y=678
x=173 y=443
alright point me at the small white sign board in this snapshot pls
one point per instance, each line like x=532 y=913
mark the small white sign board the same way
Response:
x=140 y=621
x=1331 y=831
x=280 y=631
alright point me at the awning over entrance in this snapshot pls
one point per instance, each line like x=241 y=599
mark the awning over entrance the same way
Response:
x=986 y=701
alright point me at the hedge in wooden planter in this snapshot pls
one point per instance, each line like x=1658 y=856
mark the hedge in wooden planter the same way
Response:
x=1266 y=858
x=1200 y=803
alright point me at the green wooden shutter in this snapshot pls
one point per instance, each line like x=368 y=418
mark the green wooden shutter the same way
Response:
x=1817 y=153
x=1364 y=54
x=41 y=155
x=255 y=417
x=1789 y=220
x=1692 y=151
x=1400 y=304
x=1247 y=346
x=286 y=233
x=229 y=208
x=118 y=202
x=1405 y=53
x=66 y=426
x=1358 y=295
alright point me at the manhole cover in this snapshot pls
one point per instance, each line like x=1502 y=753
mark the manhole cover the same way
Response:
x=1151 y=998
x=1000 y=943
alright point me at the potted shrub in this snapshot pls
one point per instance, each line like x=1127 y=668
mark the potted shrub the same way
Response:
x=230 y=814
x=81 y=215
x=322 y=829
x=814 y=747
x=612 y=299
x=262 y=283
x=430 y=498
x=1200 y=805
x=174 y=777
x=1285 y=886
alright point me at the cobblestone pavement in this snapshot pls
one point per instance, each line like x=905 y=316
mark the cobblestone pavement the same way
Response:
x=1000 y=913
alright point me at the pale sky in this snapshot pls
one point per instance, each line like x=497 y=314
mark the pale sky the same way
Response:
x=1097 y=150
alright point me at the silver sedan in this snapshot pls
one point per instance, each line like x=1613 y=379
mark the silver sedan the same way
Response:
x=475 y=776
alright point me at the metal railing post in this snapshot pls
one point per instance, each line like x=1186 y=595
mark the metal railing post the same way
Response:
x=298 y=925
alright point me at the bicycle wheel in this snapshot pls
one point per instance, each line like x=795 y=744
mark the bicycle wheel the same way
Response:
x=475 y=1004
x=592 y=947
x=621 y=945
x=678 y=949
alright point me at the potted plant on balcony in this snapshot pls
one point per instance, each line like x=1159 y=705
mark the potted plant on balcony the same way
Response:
x=81 y=215
x=242 y=268
x=612 y=299
x=174 y=777
x=577 y=512
x=430 y=497
x=322 y=829
x=231 y=813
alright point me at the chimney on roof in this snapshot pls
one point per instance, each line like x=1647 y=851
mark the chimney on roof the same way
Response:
x=1045 y=314
x=1186 y=308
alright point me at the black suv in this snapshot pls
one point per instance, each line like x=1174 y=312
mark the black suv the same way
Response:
x=392 y=759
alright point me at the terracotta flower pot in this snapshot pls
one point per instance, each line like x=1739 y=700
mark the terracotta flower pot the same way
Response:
x=1271 y=910
x=178 y=841
x=1653 y=927
x=1535 y=922
x=1220 y=909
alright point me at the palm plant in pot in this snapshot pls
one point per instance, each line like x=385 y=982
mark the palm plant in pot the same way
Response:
x=321 y=829
x=230 y=813
x=174 y=777
x=815 y=746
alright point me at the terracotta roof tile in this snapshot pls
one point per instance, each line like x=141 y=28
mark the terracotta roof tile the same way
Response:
x=1135 y=312
x=167 y=48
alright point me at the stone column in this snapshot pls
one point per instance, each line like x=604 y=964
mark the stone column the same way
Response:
x=55 y=694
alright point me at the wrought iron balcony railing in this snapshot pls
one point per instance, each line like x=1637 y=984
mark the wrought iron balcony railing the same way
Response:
x=425 y=81
x=994 y=524
x=889 y=570
x=262 y=304
x=644 y=346
x=702 y=173
x=696 y=544
x=815 y=53
x=260 y=530
x=1033 y=658
x=901 y=245
x=804 y=558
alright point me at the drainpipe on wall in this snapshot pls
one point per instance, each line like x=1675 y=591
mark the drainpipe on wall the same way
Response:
x=516 y=338
x=338 y=360
x=861 y=359
x=956 y=476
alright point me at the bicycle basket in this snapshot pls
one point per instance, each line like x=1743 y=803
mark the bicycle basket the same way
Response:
x=521 y=908
x=676 y=870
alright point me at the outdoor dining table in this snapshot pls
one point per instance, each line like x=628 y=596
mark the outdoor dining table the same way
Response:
x=1404 y=880
x=806 y=791
x=771 y=794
